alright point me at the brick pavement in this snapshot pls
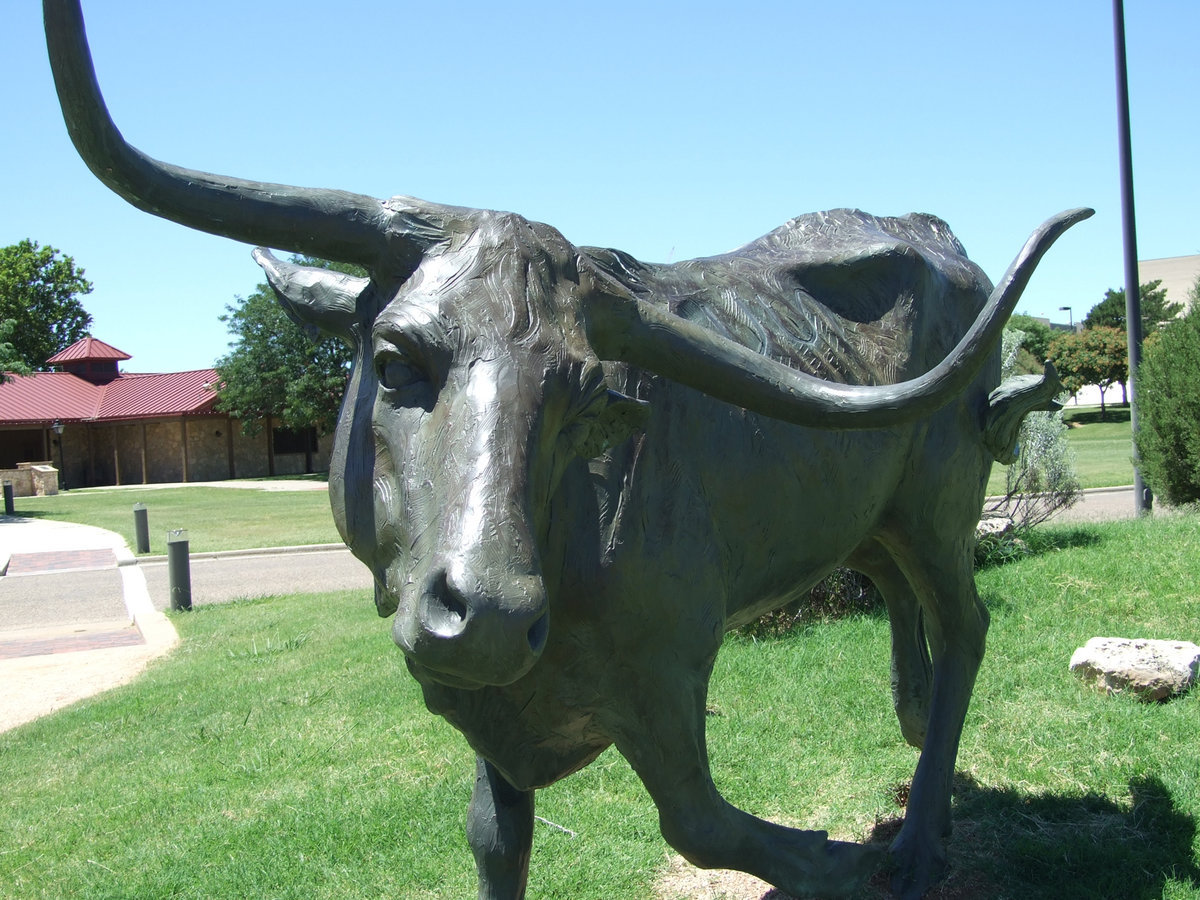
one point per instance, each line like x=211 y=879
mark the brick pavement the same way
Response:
x=98 y=636
x=100 y=639
x=59 y=561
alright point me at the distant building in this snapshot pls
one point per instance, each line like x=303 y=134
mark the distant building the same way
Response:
x=1177 y=274
x=99 y=426
x=1057 y=326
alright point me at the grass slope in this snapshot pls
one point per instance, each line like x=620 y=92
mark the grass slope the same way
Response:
x=283 y=751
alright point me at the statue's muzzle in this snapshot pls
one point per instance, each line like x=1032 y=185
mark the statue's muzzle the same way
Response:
x=471 y=629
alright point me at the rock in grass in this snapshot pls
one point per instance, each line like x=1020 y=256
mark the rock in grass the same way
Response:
x=1152 y=670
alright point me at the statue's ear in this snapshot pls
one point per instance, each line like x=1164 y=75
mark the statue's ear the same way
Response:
x=315 y=299
x=607 y=424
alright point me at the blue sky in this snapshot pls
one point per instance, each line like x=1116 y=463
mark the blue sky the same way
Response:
x=669 y=130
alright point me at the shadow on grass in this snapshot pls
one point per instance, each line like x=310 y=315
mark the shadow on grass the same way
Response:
x=19 y=513
x=1010 y=844
x=1035 y=542
x=1113 y=414
x=310 y=476
x=1062 y=537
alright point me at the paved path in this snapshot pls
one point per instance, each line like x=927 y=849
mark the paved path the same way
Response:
x=1101 y=505
x=219 y=578
x=75 y=616
x=79 y=614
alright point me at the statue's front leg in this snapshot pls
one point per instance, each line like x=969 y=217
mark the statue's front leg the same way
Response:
x=500 y=832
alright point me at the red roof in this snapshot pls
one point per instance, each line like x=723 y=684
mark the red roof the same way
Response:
x=172 y=394
x=43 y=397
x=88 y=348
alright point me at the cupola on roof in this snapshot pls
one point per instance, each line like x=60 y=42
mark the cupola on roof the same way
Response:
x=88 y=348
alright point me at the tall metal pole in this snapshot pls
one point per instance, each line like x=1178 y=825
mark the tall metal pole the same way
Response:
x=1142 y=498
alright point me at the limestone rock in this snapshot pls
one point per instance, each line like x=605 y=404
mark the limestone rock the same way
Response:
x=1152 y=670
x=993 y=527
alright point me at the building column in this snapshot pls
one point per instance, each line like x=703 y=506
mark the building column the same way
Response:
x=91 y=456
x=145 y=467
x=183 y=438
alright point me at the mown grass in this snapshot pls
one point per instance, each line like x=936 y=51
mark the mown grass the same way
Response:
x=1103 y=449
x=283 y=751
x=215 y=518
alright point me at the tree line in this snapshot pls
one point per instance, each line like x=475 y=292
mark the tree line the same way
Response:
x=1098 y=352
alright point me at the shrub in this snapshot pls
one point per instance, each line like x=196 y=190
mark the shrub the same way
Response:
x=844 y=592
x=1042 y=479
x=1168 y=396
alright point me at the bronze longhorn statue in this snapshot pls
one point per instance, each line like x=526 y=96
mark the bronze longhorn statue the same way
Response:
x=571 y=471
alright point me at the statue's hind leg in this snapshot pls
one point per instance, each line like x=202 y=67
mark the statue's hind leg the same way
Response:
x=662 y=736
x=956 y=625
x=912 y=670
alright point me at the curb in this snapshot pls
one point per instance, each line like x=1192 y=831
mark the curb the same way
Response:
x=224 y=554
x=1085 y=492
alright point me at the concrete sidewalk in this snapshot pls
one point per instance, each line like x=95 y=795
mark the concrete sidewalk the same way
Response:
x=75 y=616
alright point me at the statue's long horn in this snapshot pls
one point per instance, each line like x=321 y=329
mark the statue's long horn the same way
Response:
x=324 y=223
x=624 y=328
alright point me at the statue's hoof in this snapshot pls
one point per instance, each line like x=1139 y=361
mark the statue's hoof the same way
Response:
x=849 y=866
x=915 y=869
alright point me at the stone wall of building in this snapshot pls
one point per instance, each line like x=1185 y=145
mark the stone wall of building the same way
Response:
x=106 y=453
x=70 y=454
x=208 y=448
x=249 y=453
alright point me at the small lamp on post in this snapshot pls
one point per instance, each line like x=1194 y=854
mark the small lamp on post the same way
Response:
x=57 y=428
x=1070 y=315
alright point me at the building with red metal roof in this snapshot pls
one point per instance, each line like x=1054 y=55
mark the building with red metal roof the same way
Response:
x=102 y=426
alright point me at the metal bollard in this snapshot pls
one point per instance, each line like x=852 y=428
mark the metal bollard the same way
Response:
x=9 y=509
x=141 y=528
x=179 y=575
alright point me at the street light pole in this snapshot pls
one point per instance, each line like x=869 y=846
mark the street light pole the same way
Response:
x=1070 y=315
x=1142 y=497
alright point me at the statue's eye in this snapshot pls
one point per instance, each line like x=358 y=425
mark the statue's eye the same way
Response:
x=395 y=373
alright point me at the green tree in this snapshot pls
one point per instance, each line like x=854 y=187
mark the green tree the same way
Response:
x=1110 y=312
x=39 y=292
x=1036 y=334
x=1035 y=342
x=1098 y=356
x=10 y=363
x=274 y=368
x=1168 y=438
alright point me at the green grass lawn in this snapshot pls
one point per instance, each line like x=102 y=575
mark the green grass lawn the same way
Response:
x=215 y=518
x=282 y=751
x=1103 y=449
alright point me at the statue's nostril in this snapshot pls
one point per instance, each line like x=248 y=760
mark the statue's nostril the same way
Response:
x=538 y=632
